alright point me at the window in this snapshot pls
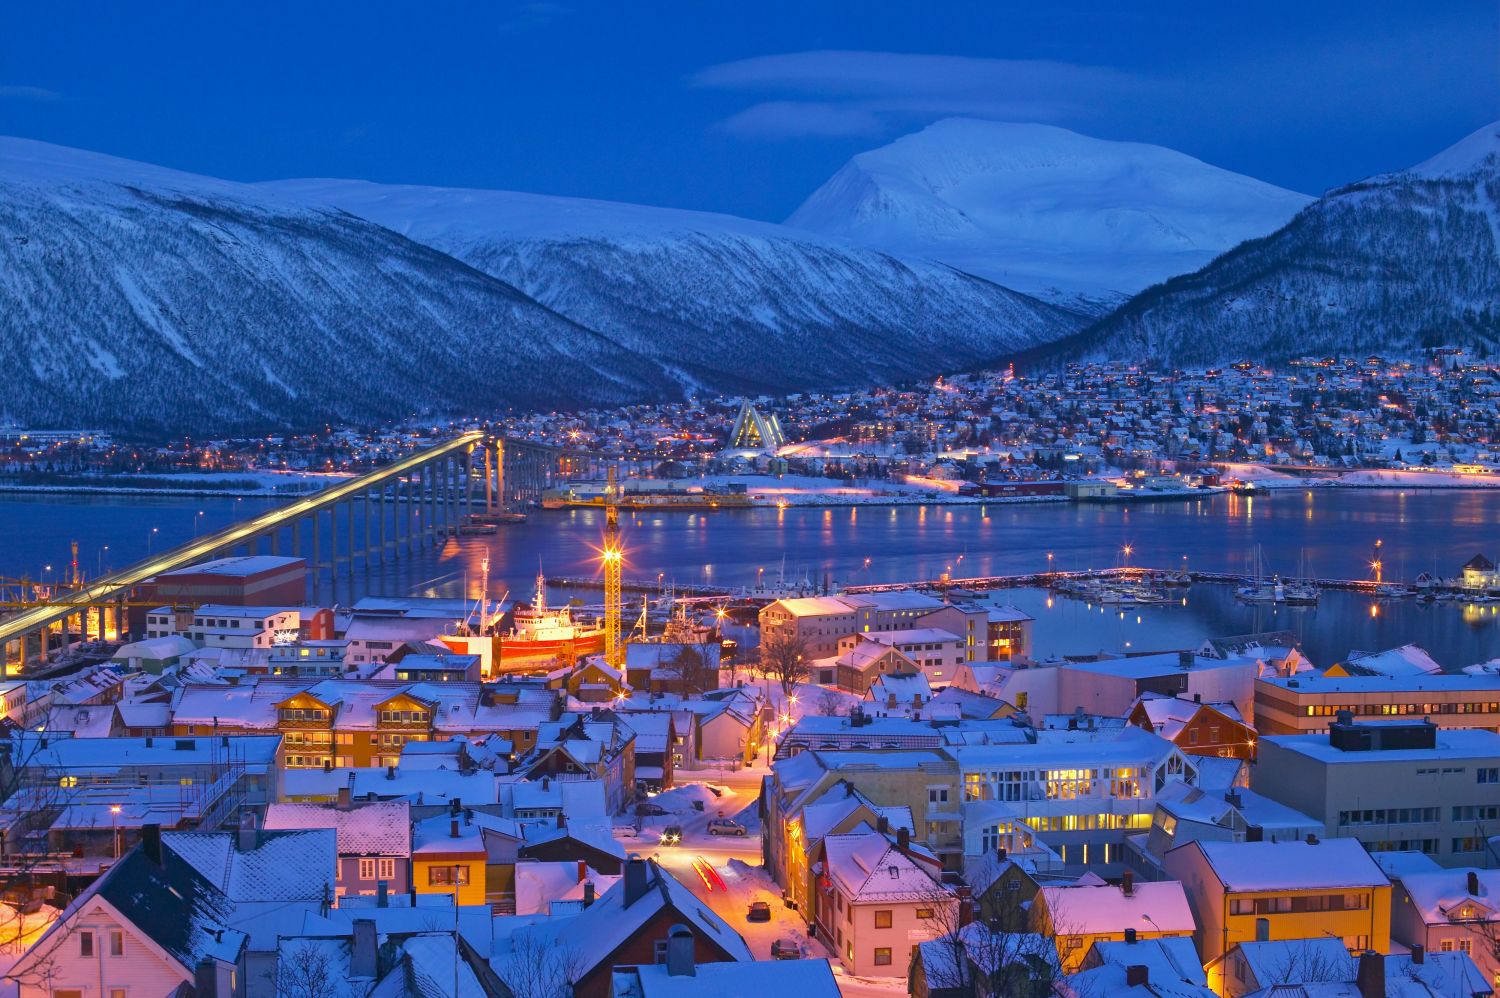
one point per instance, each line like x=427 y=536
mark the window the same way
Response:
x=116 y=993
x=116 y=943
x=1487 y=774
x=924 y=913
x=882 y=920
x=1241 y=906
x=660 y=951
x=883 y=956
x=937 y=795
x=366 y=869
x=447 y=876
x=387 y=869
x=85 y=944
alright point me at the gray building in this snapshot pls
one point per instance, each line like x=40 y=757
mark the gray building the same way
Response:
x=1394 y=785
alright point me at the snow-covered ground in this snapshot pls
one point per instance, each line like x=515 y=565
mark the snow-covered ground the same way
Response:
x=210 y=483
x=810 y=490
x=1371 y=478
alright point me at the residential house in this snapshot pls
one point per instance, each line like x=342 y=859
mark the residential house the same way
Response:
x=879 y=899
x=373 y=838
x=150 y=925
x=1196 y=727
x=627 y=925
x=678 y=974
x=1083 y=914
x=977 y=960
x=1241 y=891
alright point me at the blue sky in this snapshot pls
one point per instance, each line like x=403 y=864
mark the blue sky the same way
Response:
x=742 y=107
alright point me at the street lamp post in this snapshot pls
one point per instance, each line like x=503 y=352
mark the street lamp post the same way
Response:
x=114 y=828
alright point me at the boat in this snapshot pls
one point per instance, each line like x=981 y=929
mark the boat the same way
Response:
x=540 y=632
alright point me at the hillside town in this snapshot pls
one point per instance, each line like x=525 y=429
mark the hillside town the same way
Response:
x=888 y=794
x=988 y=430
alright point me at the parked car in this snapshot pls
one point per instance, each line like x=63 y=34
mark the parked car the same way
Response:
x=725 y=826
x=650 y=810
x=671 y=835
x=785 y=949
x=759 y=911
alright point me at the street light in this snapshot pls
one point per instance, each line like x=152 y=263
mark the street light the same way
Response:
x=150 y=537
x=196 y=518
x=114 y=827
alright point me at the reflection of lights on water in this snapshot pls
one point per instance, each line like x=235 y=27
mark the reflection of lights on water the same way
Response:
x=1049 y=602
x=1374 y=610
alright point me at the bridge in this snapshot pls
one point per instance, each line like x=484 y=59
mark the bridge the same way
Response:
x=421 y=499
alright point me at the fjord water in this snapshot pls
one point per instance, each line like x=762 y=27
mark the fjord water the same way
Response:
x=1327 y=533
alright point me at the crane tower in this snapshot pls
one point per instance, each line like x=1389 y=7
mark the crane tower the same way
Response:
x=614 y=557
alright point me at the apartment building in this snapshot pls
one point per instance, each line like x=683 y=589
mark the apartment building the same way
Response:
x=1307 y=703
x=1398 y=785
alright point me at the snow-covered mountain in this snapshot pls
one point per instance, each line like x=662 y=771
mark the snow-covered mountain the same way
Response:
x=724 y=302
x=1392 y=264
x=135 y=296
x=1044 y=210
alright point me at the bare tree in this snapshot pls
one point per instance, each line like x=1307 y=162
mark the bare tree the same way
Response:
x=783 y=657
x=690 y=668
x=830 y=703
x=1311 y=962
x=305 y=971
x=539 y=970
x=998 y=958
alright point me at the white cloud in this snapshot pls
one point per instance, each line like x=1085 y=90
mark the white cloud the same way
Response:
x=863 y=93
x=15 y=92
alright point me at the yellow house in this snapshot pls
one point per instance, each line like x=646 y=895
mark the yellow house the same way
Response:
x=1243 y=891
x=448 y=857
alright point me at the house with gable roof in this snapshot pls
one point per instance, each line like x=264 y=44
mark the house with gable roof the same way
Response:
x=629 y=924
x=373 y=839
x=150 y=925
x=878 y=899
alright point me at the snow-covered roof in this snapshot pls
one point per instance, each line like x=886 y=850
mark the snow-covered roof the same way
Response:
x=1407 y=660
x=1105 y=909
x=1452 y=743
x=867 y=866
x=283 y=866
x=809 y=978
x=1247 y=867
x=1445 y=895
x=365 y=828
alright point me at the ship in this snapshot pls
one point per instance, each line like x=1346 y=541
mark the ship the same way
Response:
x=542 y=633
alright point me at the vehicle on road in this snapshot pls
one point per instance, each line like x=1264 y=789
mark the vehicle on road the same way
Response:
x=725 y=826
x=759 y=911
x=785 y=949
x=671 y=835
x=650 y=810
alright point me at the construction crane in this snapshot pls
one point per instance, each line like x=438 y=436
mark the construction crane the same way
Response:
x=614 y=559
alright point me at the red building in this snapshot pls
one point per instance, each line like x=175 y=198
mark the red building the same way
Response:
x=254 y=580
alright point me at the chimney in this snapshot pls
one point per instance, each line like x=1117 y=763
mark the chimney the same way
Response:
x=1197 y=698
x=546 y=782
x=382 y=894
x=882 y=824
x=151 y=842
x=1233 y=798
x=454 y=806
x=903 y=838
x=1312 y=839
x=1370 y=978
x=1262 y=930
x=1255 y=833
x=588 y=893
x=1185 y=659
x=965 y=895
x=1137 y=976
x=1127 y=884
x=680 y=959
x=583 y=871
x=249 y=835
x=390 y=772
x=1472 y=883
x=562 y=819
x=890 y=701
x=206 y=979
x=1130 y=937
x=362 y=962
x=1418 y=953
x=453 y=828
x=1000 y=854
x=346 y=798
x=635 y=879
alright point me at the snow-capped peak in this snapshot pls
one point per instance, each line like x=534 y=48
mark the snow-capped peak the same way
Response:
x=1044 y=209
x=1465 y=156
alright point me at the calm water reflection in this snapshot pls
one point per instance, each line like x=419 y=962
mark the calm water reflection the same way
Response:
x=1330 y=531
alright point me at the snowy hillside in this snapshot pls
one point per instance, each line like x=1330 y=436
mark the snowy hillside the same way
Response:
x=135 y=296
x=1044 y=210
x=725 y=302
x=1392 y=264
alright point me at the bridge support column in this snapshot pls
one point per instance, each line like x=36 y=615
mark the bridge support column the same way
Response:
x=406 y=489
x=500 y=474
x=316 y=552
x=349 y=517
x=455 y=465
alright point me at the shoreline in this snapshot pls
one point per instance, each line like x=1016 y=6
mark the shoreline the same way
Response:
x=830 y=501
